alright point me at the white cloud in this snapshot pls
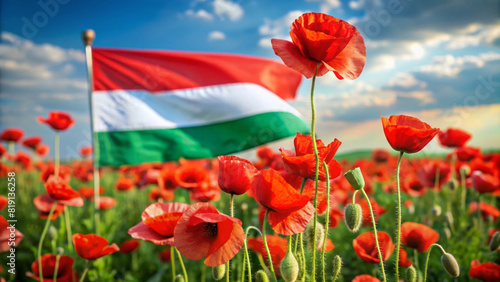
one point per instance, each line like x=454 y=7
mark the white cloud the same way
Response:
x=216 y=35
x=228 y=9
x=200 y=14
x=405 y=80
x=475 y=35
x=449 y=65
x=278 y=28
x=327 y=5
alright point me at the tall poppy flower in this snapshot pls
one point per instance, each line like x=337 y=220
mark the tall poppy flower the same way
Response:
x=365 y=248
x=129 y=246
x=158 y=223
x=157 y=193
x=484 y=183
x=235 y=174
x=11 y=134
x=487 y=272
x=59 y=190
x=203 y=232
x=64 y=172
x=418 y=236
x=167 y=176
x=486 y=210
x=44 y=203
x=92 y=247
x=320 y=38
x=277 y=249
x=453 y=137
x=407 y=134
x=32 y=142
x=65 y=272
x=365 y=278
x=289 y=211
x=58 y=120
x=429 y=174
x=302 y=162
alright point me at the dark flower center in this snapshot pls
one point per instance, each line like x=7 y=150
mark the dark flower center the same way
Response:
x=209 y=229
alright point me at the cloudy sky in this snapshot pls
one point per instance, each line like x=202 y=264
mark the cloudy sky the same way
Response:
x=436 y=60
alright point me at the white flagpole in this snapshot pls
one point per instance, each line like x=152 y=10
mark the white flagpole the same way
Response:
x=88 y=37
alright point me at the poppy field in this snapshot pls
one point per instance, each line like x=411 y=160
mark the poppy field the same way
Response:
x=300 y=213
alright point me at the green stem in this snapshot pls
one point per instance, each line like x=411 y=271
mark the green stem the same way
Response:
x=464 y=190
x=246 y=253
x=182 y=265
x=427 y=259
x=301 y=238
x=56 y=268
x=231 y=210
x=172 y=262
x=354 y=196
x=42 y=237
x=375 y=234
x=56 y=154
x=327 y=221
x=68 y=227
x=315 y=146
x=415 y=257
x=12 y=148
x=479 y=218
x=85 y=271
x=271 y=267
x=304 y=180
x=398 y=238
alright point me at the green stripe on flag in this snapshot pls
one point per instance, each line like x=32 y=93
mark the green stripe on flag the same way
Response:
x=160 y=145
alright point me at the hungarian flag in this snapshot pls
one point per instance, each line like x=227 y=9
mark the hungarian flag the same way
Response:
x=157 y=106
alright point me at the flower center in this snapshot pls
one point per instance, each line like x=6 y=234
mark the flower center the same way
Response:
x=209 y=229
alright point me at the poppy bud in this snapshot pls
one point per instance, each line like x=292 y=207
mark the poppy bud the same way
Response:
x=337 y=266
x=289 y=268
x=495 y=241
x=449 y=218
x=353 y=216
x=59 y=251
x=261 y=276
x=179 y=278
x=450 y=264
x=465 y=169
x=320 y=234
x=452 y=184
x=411 y=274
x=447 y=232
x=355 y=178
x=52 y=232
x=219 y=271
x=436 y=210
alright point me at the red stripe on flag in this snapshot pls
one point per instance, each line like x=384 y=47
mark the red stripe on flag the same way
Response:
x=120 y=69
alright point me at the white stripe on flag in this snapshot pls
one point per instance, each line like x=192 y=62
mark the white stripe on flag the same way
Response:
x=119 y=110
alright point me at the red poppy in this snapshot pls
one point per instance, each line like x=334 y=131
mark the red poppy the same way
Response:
x=129 y=246
x=413 y=187
x=3 y=202
x=167 y=176
x=486 y=210
x=465 y=154
x=158 y=223
x=207 y=191
x=44 y=203
x=381 y=155
x=92 y=247
x=427 y=173
x=190 y=175
x=453 y=137
x=377 y=211
x=157 y=193
x=487 y=272
x=11 y=134
x=203 y=231
x=32 y=142
x=303 y=161
x=484 y=183
x=235 y=174
x=407 y=134
x=265 y=154
x=365 y=278
x=328 y=247
x=86 y=151
x=106 y=203
x=124 y=184
x=336 y=216
x=2 y=150
x=57 y=120
x=83 y=170
x=88 y=192
x=418 y=236
x=6 y=234
x=277 y=249
x=165 y=255
x=320 y=38
x=309 y=189
x=23 y=158
x=403 y=259
x=289 y=211
x=65 y=272
x=365 y=248
x=64 y=172
x=42 y=150
x=59 y=190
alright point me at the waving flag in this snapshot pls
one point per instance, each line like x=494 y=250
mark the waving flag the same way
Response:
x=156 y=106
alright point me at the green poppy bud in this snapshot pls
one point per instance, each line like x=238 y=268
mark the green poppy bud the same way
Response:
x=449 y=218
x=450 y=264
x=452 y=184
x=218 y=272
x=179 y=278
x=353 y=216
x=495 y=241
x=261 y=276
x=411 y=274
x=320 y=234
x=289 y=268
x=52 y=233
x=465 y=169
x=355 y=178
x=436 y=210
x=337 y=266
x=59 y=251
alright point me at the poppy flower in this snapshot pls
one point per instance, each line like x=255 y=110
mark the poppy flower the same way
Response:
x=5 y=236
x=23 y=158
x=484 y=183
x=86 y=151
x=380 y=156
x=44 y=203
x=486 y=210
x=453 y=137
x=413 y=187
x=158 y=223
x=207 y=191
x=11 y=134
x=365 y=278
x=167 y=176
x=320 y=38
x=3 y=202
x=106 y=203
x=42 y=150
x=289 y=211
x=418 y=236
x=190 y=175
x=203 y=232
x=58 y=120
x=487 y=272
x=428 y=173
x=92 y=247
x=59 y=190
x=64 y=172
x=65 y=272
x=157 y=193
x=309 y=189
x=165 y=255
x=403 y=259
x=235 y=174
x=328 y=247
x=302 y=162
x=277 y=248
x=465 y=154
x=124 y=184
x=88 y=192
x=32 y=142
x=129 y=246
x=265 y=154
x=365 y=248
x=407 y=134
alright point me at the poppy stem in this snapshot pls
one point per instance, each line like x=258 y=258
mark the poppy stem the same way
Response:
x=427 y=259
x=301 y=238
x=415 y=257
x=271 y=267
x=68 y=226
x=246 y=254
x=56 y=268
x=327 y=220
x=42 y=237
x=182 y=265
x=231 y=210
x=172 y=262
x=56 y=154
x=479 y=219
x=315 y=146
x=398 y=238
x=375 y=234
x=12 y=148
x=85 y=271
x=464 y=190
x=354 y=196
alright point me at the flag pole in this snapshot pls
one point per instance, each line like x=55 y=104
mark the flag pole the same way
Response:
x=88 y=37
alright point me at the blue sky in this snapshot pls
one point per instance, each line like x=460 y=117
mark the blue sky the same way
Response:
x=436 y=60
